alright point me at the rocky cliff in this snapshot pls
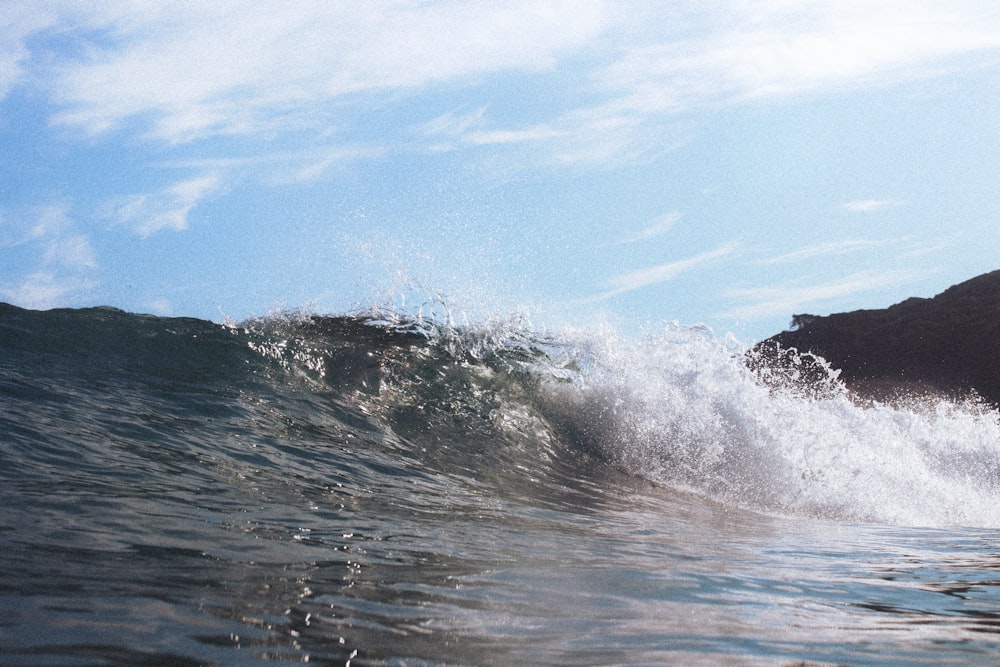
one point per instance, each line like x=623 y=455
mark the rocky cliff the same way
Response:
x=948 y=344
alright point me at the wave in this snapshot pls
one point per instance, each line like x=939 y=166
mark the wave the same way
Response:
x=682 y=409
x=508 y=410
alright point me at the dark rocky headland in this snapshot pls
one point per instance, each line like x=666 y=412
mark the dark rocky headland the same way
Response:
x=948 y=344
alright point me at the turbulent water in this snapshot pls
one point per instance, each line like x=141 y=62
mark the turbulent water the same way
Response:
x=382 y=490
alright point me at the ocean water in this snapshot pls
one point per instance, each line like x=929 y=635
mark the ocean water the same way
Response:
x=381 y=490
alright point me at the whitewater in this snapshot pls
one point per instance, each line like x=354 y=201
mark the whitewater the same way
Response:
x=381 y=489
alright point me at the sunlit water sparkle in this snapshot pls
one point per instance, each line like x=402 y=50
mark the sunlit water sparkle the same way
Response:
x=298 y=489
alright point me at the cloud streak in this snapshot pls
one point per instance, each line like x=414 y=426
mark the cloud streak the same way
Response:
x=287 y=65
x=657 y=227
x=18 y=21
x=824 y=250
x=633 y=280
x=64 y=258
x=279 y=71
x=42 y=290
x=745 y=52
x=753 y=50
x=774 y=301
x=149 y=213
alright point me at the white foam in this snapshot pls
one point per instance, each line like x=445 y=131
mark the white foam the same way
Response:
x=681 y=409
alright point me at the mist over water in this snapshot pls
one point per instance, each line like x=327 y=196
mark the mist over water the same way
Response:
x=429 y=489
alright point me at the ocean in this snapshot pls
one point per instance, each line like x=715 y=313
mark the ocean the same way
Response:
x=374 y=489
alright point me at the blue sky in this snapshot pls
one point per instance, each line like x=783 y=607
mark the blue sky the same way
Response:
x=722 y=162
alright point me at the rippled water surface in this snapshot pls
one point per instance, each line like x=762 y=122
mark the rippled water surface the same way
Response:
x=175 y=492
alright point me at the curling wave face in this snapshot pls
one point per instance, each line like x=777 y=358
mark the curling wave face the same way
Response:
x=680 y=408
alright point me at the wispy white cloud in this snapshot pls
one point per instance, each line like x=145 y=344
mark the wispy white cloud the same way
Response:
x=51 y=233
x=825 y=250
x=43 y=289
x=167 y=209
x=64 y=258
x=160 y=306
x=634 y=280
x=751 y=50
x=492 y=137
x=657 y=227
x=453 y=124
x=186 y=72
x=288 y=64
x=62 y=244
x=275 y=167
x=739 y=52
x=764 y=302
x=309 y=165
x=672 y=60
x=18 y=21
x=452 y=130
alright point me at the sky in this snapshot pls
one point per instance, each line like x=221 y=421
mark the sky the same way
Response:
x=721 y=162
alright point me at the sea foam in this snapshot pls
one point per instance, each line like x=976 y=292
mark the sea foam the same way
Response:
x=681 y=408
